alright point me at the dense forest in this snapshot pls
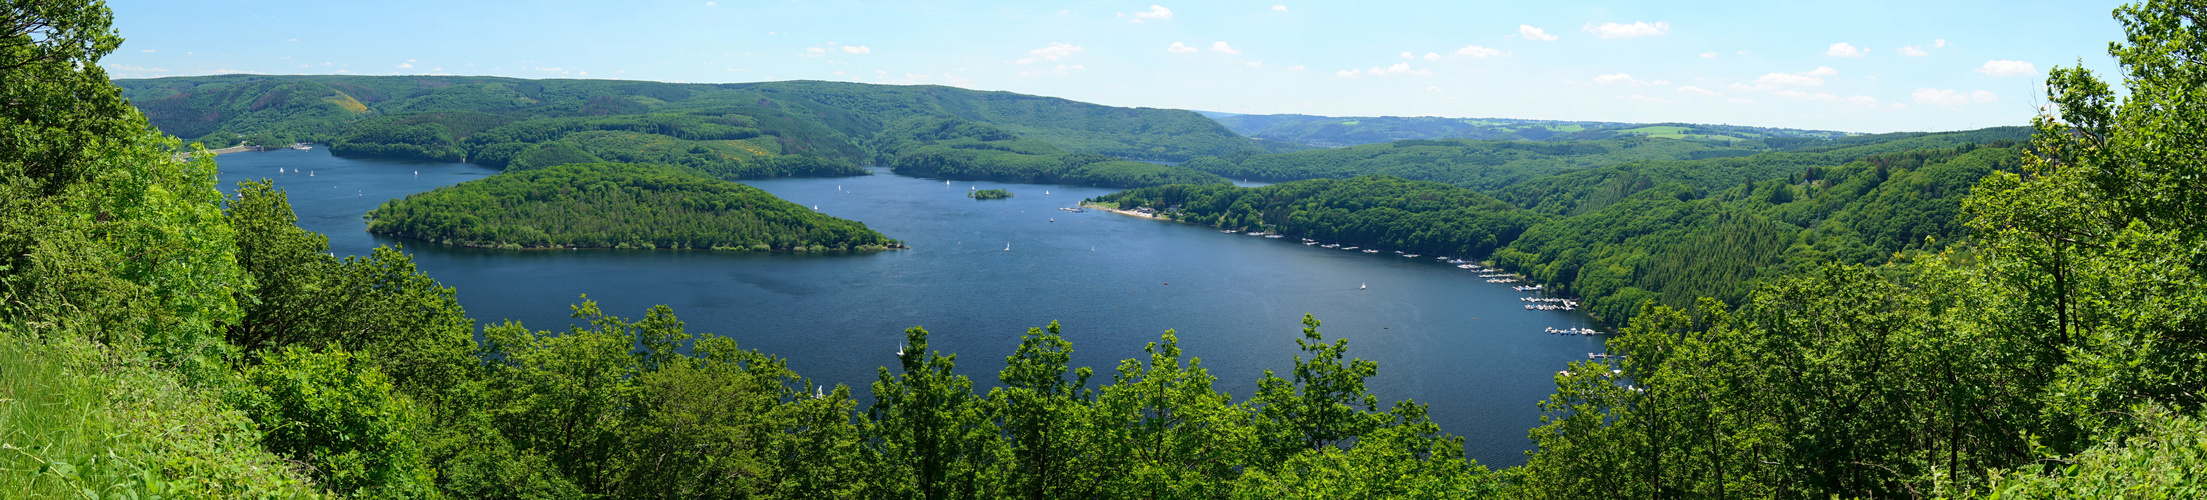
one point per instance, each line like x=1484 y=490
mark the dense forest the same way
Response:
x=1619 y=236
x=950 y=148
x=736 y=131
x=1467 y=163
x=613 y=205
x=2027 y=323
x=1375 y=211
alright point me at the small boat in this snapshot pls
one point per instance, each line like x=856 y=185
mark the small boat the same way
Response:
x=1053 y=219
x=1045 y=191
x=1360 y=286
x=1410 y=256
x=815 y=208
x=1007 y=246
x=1371 y=251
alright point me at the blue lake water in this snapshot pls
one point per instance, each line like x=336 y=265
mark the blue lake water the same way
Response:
x=1441 y=335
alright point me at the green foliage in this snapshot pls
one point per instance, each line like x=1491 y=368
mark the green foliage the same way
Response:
x=336 y=413
x=1484 y=165
x=1667 y=244
x=1381 y=211
x=2160 y=459
x=989 y=194
x=957 y=149
x=619 y=206
x=80 y=425
x=2054 y=356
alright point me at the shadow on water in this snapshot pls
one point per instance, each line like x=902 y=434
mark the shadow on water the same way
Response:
x=1441 y=336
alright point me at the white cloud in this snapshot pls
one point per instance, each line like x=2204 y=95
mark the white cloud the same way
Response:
x=1279 y=8
x=1396 y=69
x=1796 y=94
x=1638 y=97
x=1534 y=34
x=1616 y=79
x=1938 y=43
x=1788 y=79
x=1479 y=52
x=1843 y=49
x=1407 y=55
x=1708 y=55
x=1181 y=48
x=1951 y=98
x=2003 y=67
x=1254 y=64
x=1223 y=47
x=857 y=49
x=1429 y=56
x=1155 y=12
x=1862 y=100
x=709 y=4
x=1435 y=89
x=1297 y=67
x=1348 y=73
x=1689 y=89
x=1636 y=29
x=405 y=65
x=1913 y=51
x=1053 y=52
x=815 y=50
x=1822 y=71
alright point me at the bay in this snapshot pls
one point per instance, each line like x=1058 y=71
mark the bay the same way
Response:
x=1442 y=336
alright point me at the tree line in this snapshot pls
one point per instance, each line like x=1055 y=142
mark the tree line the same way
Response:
x=607 y=205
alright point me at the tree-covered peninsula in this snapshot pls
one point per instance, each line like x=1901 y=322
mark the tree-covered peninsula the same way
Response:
x=613 y=205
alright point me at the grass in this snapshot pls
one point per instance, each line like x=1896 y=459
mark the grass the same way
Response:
x=77 y=423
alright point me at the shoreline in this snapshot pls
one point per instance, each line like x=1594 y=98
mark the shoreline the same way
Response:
x=1122 y=212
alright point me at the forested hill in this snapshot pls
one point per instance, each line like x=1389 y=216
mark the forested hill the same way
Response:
x=610 y=205
x=1531 y=168
x=220 y=110
x=1669 y=231
x=1333 y=132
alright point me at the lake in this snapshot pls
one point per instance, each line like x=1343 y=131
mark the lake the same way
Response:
x=1441 y=335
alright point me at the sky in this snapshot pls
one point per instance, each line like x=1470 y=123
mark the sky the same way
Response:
x=1857 y=66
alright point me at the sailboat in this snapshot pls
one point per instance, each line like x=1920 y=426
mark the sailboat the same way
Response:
x=815 y=208
x=1007 y=246
x=1360 y=286
x=1045 y=191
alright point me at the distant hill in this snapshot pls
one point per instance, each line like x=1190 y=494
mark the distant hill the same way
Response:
x=1334 y=132
x=728 y=130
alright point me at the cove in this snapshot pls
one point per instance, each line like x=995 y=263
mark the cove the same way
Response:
x=1441 y=335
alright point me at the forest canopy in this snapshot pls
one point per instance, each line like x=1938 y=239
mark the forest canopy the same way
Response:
x=611 y=205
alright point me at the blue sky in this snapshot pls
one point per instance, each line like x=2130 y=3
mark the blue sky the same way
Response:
x=1855 y=66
